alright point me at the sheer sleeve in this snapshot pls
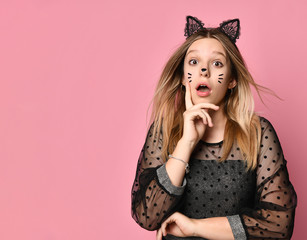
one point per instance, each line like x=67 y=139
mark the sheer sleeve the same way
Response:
x=153 y=195
x=275 y=199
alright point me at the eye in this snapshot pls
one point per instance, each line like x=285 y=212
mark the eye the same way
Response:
x=218 y=64
x=193 y=61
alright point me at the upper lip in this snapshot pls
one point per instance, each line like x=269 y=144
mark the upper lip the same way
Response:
x=202 y=83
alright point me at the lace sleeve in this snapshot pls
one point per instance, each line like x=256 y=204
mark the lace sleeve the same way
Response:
x=276 y=200
x=154 y=197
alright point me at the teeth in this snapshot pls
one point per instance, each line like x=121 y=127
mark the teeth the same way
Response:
x=204 y=86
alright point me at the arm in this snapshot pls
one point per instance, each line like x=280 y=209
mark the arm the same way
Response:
x=154 y=196
x=215 y=228
x=158 y=187
x=275 y=200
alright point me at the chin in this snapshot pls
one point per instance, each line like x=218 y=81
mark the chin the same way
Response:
x=202 y=100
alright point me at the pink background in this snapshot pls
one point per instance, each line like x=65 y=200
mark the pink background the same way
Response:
x=76 y=80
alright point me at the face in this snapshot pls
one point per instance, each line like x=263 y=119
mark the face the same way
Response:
x=207 y=68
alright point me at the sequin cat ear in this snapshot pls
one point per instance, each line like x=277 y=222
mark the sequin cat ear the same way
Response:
x=192 y=25
x=231 y=28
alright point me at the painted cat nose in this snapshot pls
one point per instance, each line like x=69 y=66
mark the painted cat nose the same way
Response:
x=203 y=69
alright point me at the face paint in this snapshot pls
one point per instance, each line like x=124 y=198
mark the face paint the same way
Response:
x=220 y=78
x=189 y=77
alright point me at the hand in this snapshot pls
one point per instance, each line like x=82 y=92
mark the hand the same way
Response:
x=178 y=225
x=196 y=118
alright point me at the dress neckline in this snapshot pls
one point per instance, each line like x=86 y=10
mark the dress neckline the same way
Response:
x=212 y=144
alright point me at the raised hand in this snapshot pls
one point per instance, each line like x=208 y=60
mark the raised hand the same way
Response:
x=196 y=118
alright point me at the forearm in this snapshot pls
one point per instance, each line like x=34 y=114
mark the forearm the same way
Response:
x=215 y=228
x=176 y=169
x=156 y=204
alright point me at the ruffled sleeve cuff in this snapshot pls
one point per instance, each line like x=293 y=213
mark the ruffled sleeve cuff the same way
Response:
x=166 y=183
x=237 y=227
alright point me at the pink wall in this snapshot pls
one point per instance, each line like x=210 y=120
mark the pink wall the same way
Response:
x=76 y=81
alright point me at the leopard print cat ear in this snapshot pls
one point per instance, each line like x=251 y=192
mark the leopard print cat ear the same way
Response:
x=192 y=26
x=231 y=28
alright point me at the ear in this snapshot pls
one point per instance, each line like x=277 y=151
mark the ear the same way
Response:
x=192 y=25
x=231 y=28
x=232 y=83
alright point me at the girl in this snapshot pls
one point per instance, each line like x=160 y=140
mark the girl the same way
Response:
x=210 y=167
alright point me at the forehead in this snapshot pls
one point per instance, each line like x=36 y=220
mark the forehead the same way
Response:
x=207 y=46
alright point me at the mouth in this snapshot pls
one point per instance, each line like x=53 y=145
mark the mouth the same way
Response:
x=203 y=90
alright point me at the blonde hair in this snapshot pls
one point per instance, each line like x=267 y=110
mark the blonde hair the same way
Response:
x=242 y=124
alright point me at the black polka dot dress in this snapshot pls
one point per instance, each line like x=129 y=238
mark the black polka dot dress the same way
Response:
x=258 y=204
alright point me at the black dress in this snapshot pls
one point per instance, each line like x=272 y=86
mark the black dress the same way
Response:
x=258 y=204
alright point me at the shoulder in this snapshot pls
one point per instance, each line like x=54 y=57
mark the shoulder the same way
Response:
x=266 y=125
x=154 y=133
x=264 y=121
x=268 y=133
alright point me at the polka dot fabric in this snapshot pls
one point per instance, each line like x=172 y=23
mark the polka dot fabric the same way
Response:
x=217 y=189
x=276 y=200
x=264 y=199
x=151 y=202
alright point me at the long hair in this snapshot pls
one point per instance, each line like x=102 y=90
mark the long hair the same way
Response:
x=242 y=124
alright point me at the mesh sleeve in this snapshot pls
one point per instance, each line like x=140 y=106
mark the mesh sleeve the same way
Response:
x=154 y=197
x=275 y=200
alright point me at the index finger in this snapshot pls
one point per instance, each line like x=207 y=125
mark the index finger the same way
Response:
x=188 y=97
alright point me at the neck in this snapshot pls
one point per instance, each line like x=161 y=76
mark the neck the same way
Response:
x=216 y=133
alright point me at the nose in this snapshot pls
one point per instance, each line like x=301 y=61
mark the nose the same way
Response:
x=204 y=71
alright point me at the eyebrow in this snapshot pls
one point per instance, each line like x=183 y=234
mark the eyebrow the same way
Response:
x=220 y=53
x=217 y=52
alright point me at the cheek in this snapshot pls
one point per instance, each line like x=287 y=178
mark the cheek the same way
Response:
x=221 y=77
x=220 y=91
x=188 y=70
x=189 y=74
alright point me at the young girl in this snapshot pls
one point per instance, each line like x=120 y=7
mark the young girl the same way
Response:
x=210 y=167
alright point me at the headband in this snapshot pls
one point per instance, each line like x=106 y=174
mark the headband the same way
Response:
x=230 y=27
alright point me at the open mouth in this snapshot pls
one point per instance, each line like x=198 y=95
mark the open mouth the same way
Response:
x=203 y=88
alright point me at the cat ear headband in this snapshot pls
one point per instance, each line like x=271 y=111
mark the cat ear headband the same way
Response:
x=230 y=27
